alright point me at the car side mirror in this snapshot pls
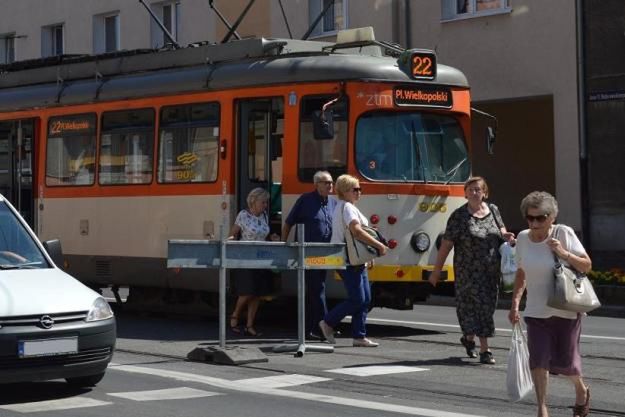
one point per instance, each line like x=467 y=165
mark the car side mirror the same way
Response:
x=323 y=124
x=55 y=251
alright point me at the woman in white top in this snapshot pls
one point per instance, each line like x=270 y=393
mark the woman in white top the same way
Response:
x=553 y=334
x=250 y=284
x=354 y=277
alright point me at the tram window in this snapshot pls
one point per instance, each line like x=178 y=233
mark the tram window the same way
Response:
x=315 y=155
x=414 y=146
x=189 y=143
x=126 y=147
x=70 y=154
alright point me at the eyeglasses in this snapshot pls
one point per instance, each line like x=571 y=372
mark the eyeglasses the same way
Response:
x=540 y=219
x=326 y=182
x=476 y=190
x=357 y=190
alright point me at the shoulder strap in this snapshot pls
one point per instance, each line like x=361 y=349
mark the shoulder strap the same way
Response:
x=494 y=211
x=555 y=236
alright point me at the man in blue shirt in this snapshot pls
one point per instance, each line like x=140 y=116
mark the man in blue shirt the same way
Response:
x=314 y=210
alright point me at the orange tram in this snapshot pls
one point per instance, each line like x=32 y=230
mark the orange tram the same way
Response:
x=117 y=153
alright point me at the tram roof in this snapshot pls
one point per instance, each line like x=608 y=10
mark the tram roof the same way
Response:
x=71 y=80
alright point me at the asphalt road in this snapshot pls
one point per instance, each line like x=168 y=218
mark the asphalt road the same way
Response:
x=420 y=369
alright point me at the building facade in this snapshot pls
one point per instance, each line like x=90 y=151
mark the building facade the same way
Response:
x=546 y=70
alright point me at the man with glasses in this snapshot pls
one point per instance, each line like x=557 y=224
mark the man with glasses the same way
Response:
x=314 y=210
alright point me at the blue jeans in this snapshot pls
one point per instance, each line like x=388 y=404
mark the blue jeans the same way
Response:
x=358 y=290
x=316 y=307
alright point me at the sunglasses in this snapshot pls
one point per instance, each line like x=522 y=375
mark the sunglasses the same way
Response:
x=326 y=182
x=357 y=190
x=541 y=218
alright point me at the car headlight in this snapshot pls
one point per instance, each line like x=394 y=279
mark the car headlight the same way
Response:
x=420 y=241
x=100 y=310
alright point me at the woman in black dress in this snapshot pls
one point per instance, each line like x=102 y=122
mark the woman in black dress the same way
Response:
x=475 y=231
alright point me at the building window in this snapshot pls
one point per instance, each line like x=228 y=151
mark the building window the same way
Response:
x=7 y=48
x=169 y=14
x=52 y=40
x=334 y=20
x=106 y=33
x=461 y=9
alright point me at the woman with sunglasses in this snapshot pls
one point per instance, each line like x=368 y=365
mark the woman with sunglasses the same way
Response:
x=475 y=231
x=354 y=277
x=553 y=334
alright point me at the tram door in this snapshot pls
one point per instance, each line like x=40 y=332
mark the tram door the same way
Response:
x=259 y=138
x=16 y=165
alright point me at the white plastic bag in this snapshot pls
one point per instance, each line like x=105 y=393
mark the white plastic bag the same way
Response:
x=508 y=266
x=519 y=377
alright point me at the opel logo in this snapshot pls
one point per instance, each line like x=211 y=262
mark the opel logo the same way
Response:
x=46 y=322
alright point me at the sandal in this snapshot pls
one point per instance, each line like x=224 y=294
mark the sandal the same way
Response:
x=469 y=345
x=251 y=331
x=234 y=324
x=584 y=409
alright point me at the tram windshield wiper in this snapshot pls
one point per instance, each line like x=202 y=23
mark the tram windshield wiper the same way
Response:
x=452 y=172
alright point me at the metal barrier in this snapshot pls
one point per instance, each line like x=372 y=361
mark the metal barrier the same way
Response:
x=228 y=254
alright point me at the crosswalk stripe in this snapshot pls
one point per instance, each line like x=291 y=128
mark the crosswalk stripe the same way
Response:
x=376 y=370
x=281 y=381
x=307 y=396
x=164 y=394
x=51 y=405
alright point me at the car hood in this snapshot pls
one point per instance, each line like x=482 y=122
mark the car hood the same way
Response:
x=42 y=291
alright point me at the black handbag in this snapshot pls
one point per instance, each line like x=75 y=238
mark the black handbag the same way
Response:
x=572 y=290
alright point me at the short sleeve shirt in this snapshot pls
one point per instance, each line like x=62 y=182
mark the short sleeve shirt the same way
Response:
x=315 y=214
x=344 y=214
x=536 y=260
x=252 y=227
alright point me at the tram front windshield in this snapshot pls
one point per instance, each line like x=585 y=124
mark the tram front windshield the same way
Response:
x=411 y=147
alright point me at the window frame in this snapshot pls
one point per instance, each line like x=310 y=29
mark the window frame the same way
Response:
x=8 y=47
x=314 y=8
x=305 y=174
x=94 y=133
x=49 y=40
x=158 y=150
x=449 y=10
x=100 y=142
x=158 y=38
x=100 y=32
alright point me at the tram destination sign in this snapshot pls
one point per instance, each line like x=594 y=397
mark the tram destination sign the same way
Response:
x=422 y=96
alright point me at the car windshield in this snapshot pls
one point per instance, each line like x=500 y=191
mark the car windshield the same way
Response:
x=411 y=147
x=17 y=247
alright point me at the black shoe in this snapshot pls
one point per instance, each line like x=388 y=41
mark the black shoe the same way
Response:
x=487 y=358
x=315 y=337
x=469 y=346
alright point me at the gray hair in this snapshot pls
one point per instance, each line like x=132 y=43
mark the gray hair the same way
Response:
x=257 y=194
x=318 y=177
x=540 y=200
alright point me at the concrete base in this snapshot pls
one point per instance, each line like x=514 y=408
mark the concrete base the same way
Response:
x=227 y=356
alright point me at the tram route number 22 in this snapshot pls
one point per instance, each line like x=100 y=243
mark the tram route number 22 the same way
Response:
x=422 y=66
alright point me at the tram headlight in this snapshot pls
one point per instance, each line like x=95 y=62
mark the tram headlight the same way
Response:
x=420 y=241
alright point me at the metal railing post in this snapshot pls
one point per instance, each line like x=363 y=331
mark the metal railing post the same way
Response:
x=222 y=288
x=301 y=291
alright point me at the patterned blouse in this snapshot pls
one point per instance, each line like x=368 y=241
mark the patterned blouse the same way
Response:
x=252 y=227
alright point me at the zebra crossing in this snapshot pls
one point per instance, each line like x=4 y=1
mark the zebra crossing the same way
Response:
x=274 y=382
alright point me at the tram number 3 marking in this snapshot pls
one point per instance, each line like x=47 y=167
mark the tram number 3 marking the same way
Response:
x=433 y=207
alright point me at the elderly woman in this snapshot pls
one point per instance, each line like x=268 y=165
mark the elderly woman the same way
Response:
x=553 y=335
x=354 y=277
x=475 y=231
x=251 y=224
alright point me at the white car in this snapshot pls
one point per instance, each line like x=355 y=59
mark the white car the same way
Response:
x=51 y=325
